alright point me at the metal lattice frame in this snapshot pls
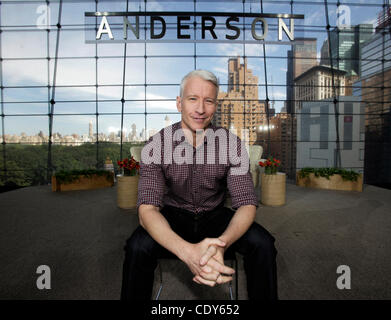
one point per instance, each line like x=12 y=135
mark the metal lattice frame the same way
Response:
x=51 y=88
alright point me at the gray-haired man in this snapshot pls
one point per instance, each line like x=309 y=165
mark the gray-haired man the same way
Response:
x=181 y=203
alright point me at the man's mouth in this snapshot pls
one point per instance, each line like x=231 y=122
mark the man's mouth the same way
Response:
x=199 y=119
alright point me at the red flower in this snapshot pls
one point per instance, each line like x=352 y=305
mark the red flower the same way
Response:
x=130 y=166
x=270 y=162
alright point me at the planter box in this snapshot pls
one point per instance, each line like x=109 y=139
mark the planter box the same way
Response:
x=83 y=183
x=127 y=187
x=335 y=183
x=273 y=189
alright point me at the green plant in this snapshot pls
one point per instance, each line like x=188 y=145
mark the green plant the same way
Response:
x=347 y=175
x=66 y=177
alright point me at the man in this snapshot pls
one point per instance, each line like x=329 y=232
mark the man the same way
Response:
x=181 y=194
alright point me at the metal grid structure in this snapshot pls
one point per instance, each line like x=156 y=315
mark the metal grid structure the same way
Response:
x=124 y=106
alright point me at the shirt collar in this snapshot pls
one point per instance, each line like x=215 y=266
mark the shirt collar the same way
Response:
x=178 y=125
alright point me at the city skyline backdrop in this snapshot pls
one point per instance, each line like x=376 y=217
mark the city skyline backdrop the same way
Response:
x=25 y=64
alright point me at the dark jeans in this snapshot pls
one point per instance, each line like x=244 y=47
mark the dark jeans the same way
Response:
x=256 y=246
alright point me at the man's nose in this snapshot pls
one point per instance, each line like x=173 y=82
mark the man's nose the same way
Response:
x=200 y=108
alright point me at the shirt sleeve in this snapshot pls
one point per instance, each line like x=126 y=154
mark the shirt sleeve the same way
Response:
x=239 y=182
x=151 y=185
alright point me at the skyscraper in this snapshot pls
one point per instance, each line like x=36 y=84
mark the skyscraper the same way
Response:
x=301 y=58
x=133 y=133
x=167 y=121
x=325 y=54
x=303 y=55
x=289 y=83
x=317 y=84
x=90 y=129
x=346 y=45
x=239 y=108
x=375 y=90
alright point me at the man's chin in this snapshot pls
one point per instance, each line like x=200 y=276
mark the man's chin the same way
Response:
x=194 y=126
x=200 y=126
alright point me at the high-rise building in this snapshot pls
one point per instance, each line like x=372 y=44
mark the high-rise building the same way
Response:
x=281 y=137
x=289 y=84
x=346 y=46
x=317 y=84
x=301 y=57
x=143 y=135
x=133 y=133
x=374 y=87
x=90 y=129
x=384 y=18
x=167 y=121
x=325 y=54
x=304 y=55
x=239 y=107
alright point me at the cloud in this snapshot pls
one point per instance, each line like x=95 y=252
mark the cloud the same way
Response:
x=220 y=70
x=314 y=18
x=153 y=5
x=278 y=95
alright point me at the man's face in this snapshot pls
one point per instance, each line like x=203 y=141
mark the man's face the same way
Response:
x=198 y=103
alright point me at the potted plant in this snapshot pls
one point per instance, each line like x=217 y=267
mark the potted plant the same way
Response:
x=329 y=178
x=127 y=186
x=81 y=180
x=273 y=186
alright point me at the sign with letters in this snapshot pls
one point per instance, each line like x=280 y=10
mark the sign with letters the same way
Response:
x=188 y=27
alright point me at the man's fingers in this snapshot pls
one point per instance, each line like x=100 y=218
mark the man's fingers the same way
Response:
x=215 y=241
x=221 y=268
x=211 y=280
x=201 y=280
x=223 y=279
x=206 y=269
x=212 y=276
x=207 y=255
x=195 y=280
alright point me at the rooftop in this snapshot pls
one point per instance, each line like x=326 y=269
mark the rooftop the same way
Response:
x=323 y=68
x=80 y=235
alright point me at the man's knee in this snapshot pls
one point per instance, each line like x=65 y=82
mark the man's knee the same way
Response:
x=139 y=242
x=260 y=239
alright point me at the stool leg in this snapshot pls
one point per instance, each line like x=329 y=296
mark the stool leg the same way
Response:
x=231 y=296
x=236 y=280
x=161 y=282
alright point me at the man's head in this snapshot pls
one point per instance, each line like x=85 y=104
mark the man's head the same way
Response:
x=197 y=100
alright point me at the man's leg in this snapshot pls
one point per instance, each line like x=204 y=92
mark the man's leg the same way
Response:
x=259 y=257
x=257 y=248
x=141 y=254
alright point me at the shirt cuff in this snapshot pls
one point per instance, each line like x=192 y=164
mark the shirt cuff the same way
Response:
x=244 y=202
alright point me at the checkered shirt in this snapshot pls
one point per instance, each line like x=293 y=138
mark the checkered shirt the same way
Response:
x=195 y=185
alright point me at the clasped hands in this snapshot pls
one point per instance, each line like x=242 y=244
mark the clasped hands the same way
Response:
x=206 y=261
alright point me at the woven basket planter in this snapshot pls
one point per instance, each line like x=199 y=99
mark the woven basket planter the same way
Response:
x=127 y=187
x=334 y=183
x=273 y=189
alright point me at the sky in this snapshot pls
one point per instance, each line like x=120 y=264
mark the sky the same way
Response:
x=23 y=37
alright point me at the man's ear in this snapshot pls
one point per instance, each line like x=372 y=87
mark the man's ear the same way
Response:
x=179 y=103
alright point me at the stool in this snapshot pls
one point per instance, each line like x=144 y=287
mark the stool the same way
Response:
x=229 y=255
